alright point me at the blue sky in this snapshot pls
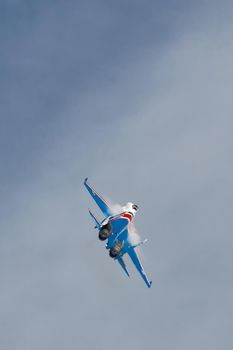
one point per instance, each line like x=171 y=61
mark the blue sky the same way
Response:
x=137 y=96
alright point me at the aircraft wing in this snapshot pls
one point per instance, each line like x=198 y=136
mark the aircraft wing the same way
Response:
x=134 y=257
x=103 y=205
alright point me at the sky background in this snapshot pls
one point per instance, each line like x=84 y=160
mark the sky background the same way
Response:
x=136 y=95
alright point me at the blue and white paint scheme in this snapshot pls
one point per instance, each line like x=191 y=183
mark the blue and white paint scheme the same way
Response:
x=115 y=229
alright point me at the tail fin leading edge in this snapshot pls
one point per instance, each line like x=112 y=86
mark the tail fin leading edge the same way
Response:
x=97 y=224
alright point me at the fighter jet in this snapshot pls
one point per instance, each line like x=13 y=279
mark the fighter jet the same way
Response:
x=115 y=230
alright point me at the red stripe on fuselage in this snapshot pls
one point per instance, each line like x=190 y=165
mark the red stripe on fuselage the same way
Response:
x=127 y=216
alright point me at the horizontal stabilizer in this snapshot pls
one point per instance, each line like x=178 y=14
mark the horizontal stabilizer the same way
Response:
x=122 y=263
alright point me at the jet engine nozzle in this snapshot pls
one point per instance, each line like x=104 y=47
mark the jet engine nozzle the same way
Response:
x=105 y=232
x=116 y=249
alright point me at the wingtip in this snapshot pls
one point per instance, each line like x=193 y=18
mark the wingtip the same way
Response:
x=150 y=284
x=85 y=181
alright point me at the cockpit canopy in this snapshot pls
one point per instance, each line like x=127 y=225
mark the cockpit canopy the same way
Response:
x=135 y=207
x=131 y=207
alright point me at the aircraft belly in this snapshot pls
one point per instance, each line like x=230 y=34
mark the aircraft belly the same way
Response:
x=119 y=225
x=119 y=231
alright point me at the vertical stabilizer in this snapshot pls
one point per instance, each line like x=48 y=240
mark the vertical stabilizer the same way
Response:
x=97 y=223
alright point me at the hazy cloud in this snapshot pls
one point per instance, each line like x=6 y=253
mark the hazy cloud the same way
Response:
x=146 y=114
